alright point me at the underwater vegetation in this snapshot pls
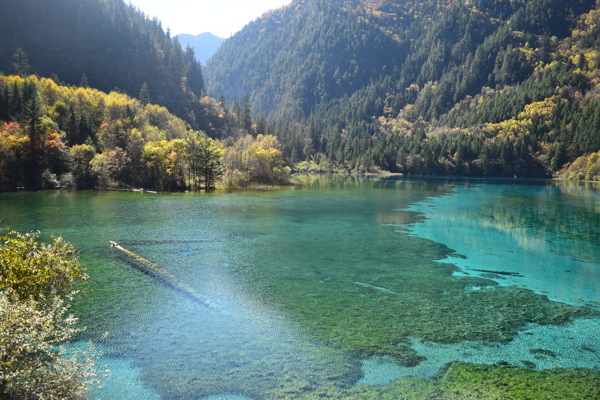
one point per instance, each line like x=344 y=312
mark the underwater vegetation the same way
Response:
x=409 y=297
x=464 y=381
x=356 y=286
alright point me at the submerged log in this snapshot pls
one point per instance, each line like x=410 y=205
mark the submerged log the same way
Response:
x=164 y=276
x=499 y=272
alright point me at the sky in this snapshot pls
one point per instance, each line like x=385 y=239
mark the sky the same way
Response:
x=220 y=17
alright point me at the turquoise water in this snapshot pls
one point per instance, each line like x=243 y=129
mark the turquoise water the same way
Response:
x=329 y=285
x=548 y=235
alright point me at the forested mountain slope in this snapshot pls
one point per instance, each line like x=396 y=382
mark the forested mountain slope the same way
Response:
x=298 y=56
x=104 y=44
x=101 y=97
x=478 y=87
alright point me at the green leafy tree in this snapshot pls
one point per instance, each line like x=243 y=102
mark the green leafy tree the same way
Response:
x=109 y=167
x=13 y=147
x=264 y=161
x=37 y=284
x=205 y=157
x=165 y=162
x=81 y=158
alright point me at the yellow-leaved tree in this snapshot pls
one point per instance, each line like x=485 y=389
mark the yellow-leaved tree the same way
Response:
x=37 y=284
x=264 y=161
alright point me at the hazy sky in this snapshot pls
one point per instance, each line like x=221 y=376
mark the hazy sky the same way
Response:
x=221 y=17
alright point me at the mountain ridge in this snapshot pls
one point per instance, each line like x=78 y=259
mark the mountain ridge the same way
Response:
x=204 y=44
x=456 y=87
x=409 y=107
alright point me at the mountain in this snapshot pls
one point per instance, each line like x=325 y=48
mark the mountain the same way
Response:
x=69 y=116
x=299 y=55
x=316 y=50
x=204 y=44
x=478 y=87
x=104 y=44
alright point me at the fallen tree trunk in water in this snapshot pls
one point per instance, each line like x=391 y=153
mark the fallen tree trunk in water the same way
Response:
x=166 y=277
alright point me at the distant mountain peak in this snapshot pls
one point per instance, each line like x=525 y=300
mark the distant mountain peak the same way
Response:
x=204 y=44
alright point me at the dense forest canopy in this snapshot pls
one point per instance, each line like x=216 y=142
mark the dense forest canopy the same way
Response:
x=74 y=137
x=478 y=87
x=104 y=44
x=76 y=122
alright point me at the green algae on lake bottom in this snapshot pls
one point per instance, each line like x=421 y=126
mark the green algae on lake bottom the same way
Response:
x=422 y=299
x=464 y=381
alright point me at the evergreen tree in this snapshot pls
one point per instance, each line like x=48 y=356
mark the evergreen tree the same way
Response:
x=33 y=163
x=145 y=94
x=84 y=81
x=246 y=117
x=20 y=64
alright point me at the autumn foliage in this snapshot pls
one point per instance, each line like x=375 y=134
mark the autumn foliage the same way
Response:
x=54 y=136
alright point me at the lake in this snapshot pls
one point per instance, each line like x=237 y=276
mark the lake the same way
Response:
x=338 y=286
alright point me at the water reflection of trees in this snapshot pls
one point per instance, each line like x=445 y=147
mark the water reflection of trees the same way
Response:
x=571 y=214
x=341 y=181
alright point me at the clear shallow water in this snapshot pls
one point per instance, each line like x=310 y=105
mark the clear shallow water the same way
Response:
x=548 y=236
x=331 y=284
x=536 y=347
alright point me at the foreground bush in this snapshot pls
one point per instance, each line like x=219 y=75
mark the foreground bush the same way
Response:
x=37 y=285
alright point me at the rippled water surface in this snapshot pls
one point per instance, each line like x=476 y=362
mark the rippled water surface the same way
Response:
x=330 y=285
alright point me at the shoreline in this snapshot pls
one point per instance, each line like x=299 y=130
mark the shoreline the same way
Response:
x=292 y=182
